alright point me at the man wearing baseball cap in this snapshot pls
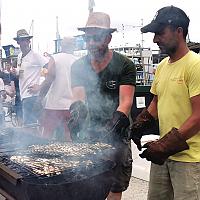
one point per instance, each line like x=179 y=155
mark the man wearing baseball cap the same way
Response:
x=175 y=157
x=106 y=81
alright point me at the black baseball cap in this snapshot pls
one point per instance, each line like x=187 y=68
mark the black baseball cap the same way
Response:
x=169 y=15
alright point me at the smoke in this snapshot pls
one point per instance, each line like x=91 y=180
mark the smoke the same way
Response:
x=102 y=92
x=14 y=139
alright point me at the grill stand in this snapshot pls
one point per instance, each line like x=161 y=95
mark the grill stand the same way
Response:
x=6 y=195
x=95 y=188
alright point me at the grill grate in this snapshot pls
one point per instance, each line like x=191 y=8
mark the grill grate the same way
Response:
x=65 y=161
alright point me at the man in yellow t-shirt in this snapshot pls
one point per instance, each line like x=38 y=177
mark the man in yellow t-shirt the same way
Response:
x=175 y=157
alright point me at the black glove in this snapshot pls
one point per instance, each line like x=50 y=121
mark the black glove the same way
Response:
x=78 y=115
x=142 y=122
x=3 y=95
x=158 y=151
x=117 y=125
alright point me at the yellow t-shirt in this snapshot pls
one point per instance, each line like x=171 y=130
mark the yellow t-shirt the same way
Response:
x=174 y=84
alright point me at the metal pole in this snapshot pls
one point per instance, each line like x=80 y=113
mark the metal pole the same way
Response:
x=57 y=47
x=32 y=33
x=142 y=42
x=91 y=5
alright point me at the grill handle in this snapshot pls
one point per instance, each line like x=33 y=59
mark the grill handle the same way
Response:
x=9 y=174
x=6 y=195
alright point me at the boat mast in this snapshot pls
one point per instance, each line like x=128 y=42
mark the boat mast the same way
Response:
x=31 y=32
x=58 y=39
x=91 y=5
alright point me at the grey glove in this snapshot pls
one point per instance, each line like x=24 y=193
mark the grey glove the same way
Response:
x=78 y=115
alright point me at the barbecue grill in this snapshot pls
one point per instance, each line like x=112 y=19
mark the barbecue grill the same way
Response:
x=37 y=169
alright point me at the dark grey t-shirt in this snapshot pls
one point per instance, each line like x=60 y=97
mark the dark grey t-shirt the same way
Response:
x=102 y=89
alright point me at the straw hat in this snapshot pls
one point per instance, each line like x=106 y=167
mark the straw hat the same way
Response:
x=21 y=34
x=98 y=20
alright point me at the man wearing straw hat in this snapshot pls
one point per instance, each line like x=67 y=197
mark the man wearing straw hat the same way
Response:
x=29 y=66
x=106 y=80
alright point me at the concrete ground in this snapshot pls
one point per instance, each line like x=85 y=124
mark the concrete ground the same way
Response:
x=138 y=187
x=137 y=190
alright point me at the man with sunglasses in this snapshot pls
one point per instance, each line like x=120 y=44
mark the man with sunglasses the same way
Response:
x=29 y=65
x=105 y=80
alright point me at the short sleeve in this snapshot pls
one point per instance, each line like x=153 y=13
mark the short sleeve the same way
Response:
x=128 y=73
x=194 y=79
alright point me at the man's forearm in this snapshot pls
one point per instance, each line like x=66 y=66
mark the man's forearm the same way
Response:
x=49 y=79
x=44 y=87
x=125 y=109
x=152 y=109
x=126 y=98
x=190 y=127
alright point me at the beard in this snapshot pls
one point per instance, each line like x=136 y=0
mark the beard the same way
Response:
x=168 y=49
x=97 y=54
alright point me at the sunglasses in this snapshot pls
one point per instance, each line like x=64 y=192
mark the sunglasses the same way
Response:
x=22 y=39
x=95 y=38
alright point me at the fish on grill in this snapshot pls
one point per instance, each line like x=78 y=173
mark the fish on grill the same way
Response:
x=48 y=167
x=70 y=149
x=54 y=158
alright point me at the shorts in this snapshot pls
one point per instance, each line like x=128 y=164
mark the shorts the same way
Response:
x=175 y=181
x=55 y=120
x=123 y=170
